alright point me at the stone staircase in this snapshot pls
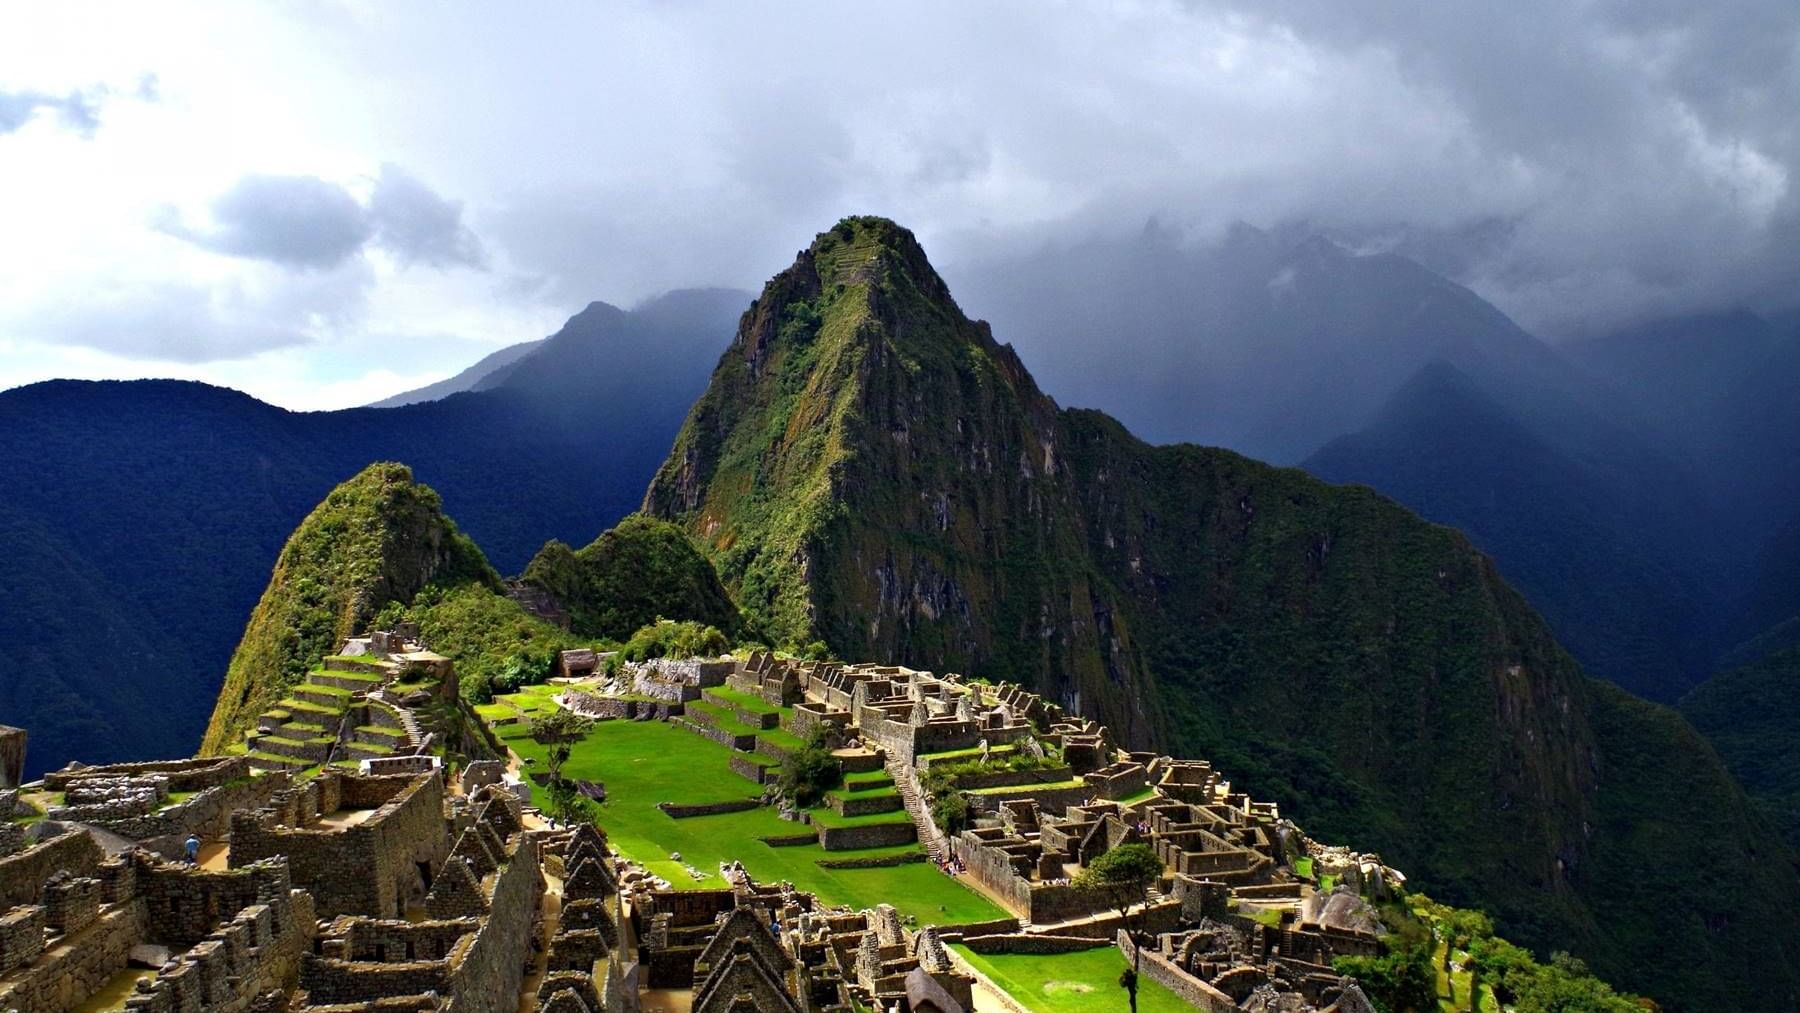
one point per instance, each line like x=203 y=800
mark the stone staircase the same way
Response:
x=930 y=837
x=327 y=718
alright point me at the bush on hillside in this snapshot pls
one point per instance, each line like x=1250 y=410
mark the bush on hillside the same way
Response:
x=669 y=639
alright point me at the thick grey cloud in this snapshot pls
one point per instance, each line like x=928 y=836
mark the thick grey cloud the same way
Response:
x=418 y=225
x=1580 y=164
x=295 y=221
x=310 y=223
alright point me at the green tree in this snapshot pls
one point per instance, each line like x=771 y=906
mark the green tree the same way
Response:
x=1124 y=876
x=557 y=729
x=950 y=811
x=809 y=772
x=1399 y=981
x=564 y=804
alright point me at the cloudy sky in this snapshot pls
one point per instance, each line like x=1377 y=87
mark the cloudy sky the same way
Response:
x=325 y=203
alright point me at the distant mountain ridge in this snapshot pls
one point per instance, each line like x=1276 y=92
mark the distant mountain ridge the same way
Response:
x=141 y=518
x=469 y=379
x=1601 y=554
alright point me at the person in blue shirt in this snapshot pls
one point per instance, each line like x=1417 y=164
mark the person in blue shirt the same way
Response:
x=193 y=849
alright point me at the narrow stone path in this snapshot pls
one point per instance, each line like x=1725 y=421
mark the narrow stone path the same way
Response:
x=929 y=836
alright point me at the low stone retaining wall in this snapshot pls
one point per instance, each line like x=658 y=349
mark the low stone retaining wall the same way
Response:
x=970 y=930
x=1053 y=800
x=743 y=743
x=877 y=862
x=858 y=763
x=682 y=812
x=872 y=835
x=792 y=840
x=1029 y=942
x=1012 y=778
x=600 y=708
x=867 y=806
x=744 y=765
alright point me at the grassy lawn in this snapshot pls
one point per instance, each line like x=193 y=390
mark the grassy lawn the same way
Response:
x=1303 y=868
x=749 y=701
x=1083 y=982
x=646 y=762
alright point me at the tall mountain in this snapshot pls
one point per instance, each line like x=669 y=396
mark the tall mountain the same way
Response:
x=1602 y=545
x=142 y=518
x=871 y=467
x=1222 y=343
x=378 y=538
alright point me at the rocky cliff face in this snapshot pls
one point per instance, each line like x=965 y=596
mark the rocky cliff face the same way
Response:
x=378 y=538
x=871 y=467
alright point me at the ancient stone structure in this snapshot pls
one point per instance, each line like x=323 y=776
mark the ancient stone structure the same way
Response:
x=323 y=890
x=12 y=756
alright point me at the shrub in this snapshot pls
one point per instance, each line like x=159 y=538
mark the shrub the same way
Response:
x=950 y=811
x=809 y=772
x=668 y=639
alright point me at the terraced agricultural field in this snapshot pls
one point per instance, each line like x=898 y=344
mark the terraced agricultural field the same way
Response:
x=646 y=762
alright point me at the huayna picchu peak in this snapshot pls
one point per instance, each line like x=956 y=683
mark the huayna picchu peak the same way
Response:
x=871 y=468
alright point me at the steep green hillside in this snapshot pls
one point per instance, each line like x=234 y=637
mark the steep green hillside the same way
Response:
x=641 y=570
x=378 y=538
x=1751 y=715
x=869 y=466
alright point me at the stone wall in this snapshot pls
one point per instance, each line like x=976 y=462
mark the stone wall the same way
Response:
x=207 y=813
x=258 y=950
x=330 y=981
x=1195 y=992
x=1031 y=942
x=66 y=975
x=12 y=756
x=22 y=875
x=743 y=765
x=678 y=811
x=601 y=708
x=21 y=936
x=490 y=969
x=185 y=903
x=872 y=835
x=370 y=868
x=1051 y=800
x=196 y=774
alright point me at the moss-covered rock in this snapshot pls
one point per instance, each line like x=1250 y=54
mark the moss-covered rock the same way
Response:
x=378 y=538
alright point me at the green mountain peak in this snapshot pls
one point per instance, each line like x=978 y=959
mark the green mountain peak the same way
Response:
x=379 y=537
x=869 y=467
